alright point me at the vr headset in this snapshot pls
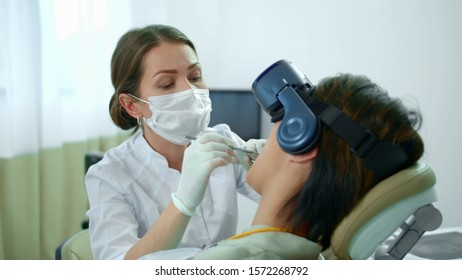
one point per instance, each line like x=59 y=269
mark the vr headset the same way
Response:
x=286 y=94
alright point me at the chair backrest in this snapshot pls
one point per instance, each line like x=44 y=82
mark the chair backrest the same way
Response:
x=92 y=158
x=402 y=198
x=77 y=247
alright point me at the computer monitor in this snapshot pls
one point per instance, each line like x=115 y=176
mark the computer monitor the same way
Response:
x=238 y=109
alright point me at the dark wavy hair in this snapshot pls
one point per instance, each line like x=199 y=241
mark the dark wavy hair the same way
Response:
x=339 y=179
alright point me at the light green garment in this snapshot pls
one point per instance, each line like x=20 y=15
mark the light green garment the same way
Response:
x=270 y=245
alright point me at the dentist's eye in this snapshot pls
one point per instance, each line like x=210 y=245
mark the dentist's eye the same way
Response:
x=196 y=79
x=166 y=86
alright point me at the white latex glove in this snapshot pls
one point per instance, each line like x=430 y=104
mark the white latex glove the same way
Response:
x=254 y=145
x=205 y=154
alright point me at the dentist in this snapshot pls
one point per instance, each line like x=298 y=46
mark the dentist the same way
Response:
x=158 y=190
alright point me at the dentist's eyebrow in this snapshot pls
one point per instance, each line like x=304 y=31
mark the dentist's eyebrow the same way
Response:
x=174 y=71
x=165 y=71
x=194 y=65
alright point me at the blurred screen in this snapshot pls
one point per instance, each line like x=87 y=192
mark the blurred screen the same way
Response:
x=238 y=109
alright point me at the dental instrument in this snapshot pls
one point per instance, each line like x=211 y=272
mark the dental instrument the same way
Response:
x=230 y=146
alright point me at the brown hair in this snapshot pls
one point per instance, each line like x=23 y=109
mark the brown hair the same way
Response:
x=339 y=178
x=126 y=64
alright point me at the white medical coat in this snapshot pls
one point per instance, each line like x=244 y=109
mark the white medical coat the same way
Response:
x=131 y=186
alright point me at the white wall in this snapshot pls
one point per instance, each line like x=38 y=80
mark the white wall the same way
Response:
x=410 y=47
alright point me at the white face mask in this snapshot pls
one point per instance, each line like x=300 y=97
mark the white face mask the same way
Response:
x=179 y=114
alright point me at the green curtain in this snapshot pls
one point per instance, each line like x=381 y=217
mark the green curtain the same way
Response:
x=43 y=198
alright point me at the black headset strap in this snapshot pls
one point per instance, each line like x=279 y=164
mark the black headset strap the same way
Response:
x=383 y=157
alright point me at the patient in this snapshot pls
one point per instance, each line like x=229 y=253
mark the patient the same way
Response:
x=305 y=195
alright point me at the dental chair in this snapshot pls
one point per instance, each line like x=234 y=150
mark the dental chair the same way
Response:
x=399 y=207
x=76 y=247
x=90 y=159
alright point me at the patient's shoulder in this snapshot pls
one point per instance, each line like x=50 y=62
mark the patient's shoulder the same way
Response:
x=262 y=242
x=235 y=250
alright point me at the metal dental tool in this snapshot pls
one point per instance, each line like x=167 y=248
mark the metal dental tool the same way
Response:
x=252 y=153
